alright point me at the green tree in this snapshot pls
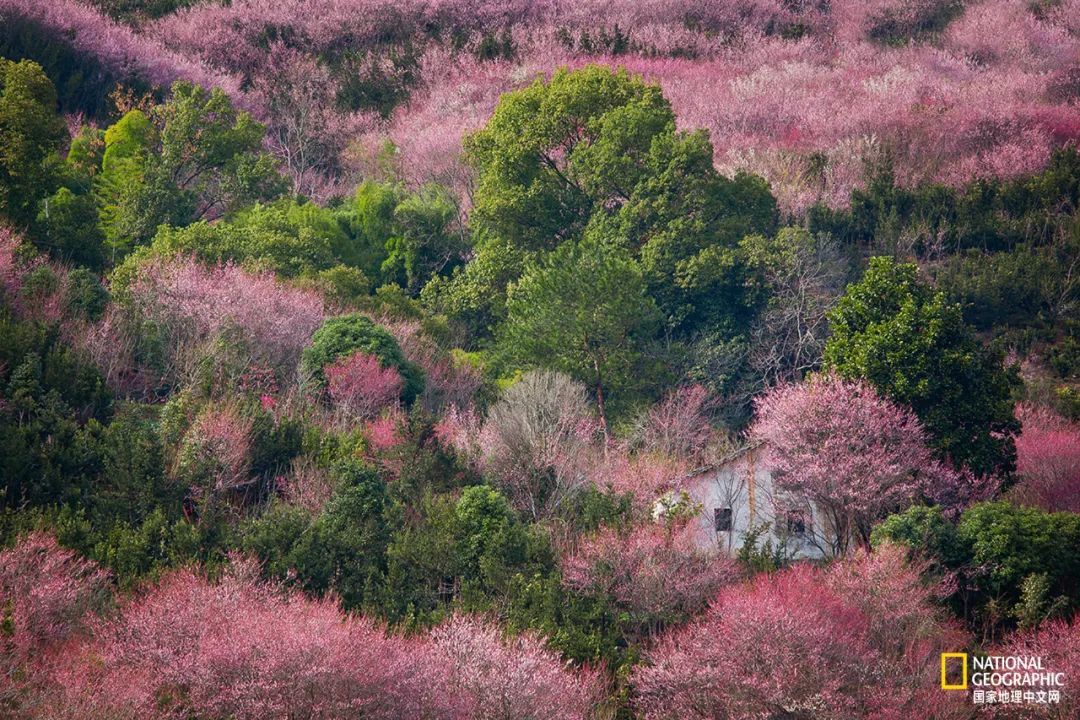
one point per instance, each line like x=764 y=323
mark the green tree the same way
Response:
x=425 y=242
x=463 y=551
x=67 y=227
x=596 y=151
x=1008 y=563
x=584 y=310
x=345 y=334
x=904 y=338
x=30 y=133
x=554 y=151
x=686 y=222
x=192 y=157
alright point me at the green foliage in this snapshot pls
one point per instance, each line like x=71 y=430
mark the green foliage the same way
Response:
x=67 y=227
x=346 y=545
x=193 y=157
x=464 y=552
x=758 y=554
x=132 y=484
x=136 y=552
x=135 y=10
x=282 y=249
x=1007 y=544
x=1027 y=288
x=584 y=629
x=913 y=346
x=401 y=237
x=899 y=27
x=425 y=242
x=534 y=194
x=378 y=81
x=687 y=221
x=595 y=152
x=370 y=217
x=584 y=310
x=30 y=132
x=990 y=215
x=342 y=550
x=85 y=295
x=343 y=285
x=1009 y=563
x=474 y=297
x=345 y=334
x=926 y=531
x=51 y=408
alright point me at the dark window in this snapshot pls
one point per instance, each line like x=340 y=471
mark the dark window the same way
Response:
x=796 y=523
x=722 y=519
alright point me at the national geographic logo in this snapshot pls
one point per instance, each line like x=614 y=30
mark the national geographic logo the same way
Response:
x=945 y=658
x=1004 y=679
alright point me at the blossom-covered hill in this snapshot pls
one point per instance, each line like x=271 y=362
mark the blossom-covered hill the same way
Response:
x=811 y=95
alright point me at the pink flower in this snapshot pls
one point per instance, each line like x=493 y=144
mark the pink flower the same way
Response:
x=360 y=387
x=853 y=454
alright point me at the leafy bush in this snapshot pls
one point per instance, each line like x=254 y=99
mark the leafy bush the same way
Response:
x=345 y=334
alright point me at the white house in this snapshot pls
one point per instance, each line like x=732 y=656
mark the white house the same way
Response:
x=736 y=496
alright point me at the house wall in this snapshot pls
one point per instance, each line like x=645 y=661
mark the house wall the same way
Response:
x=745 y=485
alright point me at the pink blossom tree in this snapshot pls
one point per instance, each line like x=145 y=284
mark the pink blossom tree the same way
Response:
x=513 y=679
x=1058 y=644
x=11 y=271
x=657 y=574
x=118 y=47
x=192 y=305
x=536 y=442
x=306 y=485
x=47 y=593
x=807 y=641
x=448 y=383
x=645 y=478
x=852 y=455
x=1047 y=461
x=359 y=386
x=241 y=649
x=678 y=426
x=214 y=459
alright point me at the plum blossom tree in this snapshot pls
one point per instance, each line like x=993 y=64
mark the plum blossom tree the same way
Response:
x=643 y=477
x=806 y=643
x=536 y=441
x=238 y=648
x=359 y=386
x=307 y=134
x=1058 y=644
x=12 y=269
x=1047 y=461
x=192 y=305
x=514 y=679
x=853 y=455
x=215 y=456
x=679 y=425
x=47 y=592
x=657 y=574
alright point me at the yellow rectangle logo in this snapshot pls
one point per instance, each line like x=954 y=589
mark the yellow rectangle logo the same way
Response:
x=944 y=676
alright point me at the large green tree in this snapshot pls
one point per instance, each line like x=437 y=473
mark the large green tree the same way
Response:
x=190 y=158
x=30 y=132
x=904 y=338
x=584 y=310
x=554 y=151
x=596 y=151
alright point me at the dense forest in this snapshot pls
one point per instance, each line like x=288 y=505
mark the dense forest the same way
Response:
x=356 y=356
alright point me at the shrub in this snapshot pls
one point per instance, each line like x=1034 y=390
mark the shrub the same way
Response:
x=344 y=335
